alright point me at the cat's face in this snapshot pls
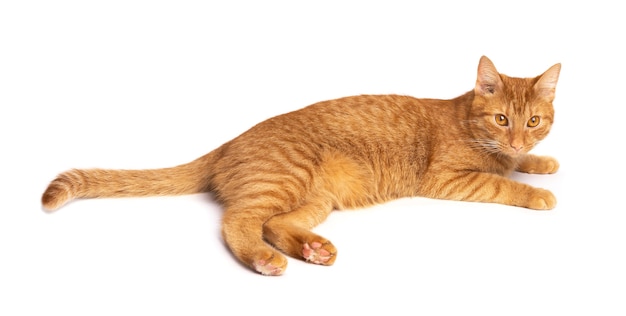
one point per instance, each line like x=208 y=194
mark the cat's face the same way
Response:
x=515 y=120
x=512 y=115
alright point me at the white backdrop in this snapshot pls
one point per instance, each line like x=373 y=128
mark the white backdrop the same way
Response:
x=146 y=84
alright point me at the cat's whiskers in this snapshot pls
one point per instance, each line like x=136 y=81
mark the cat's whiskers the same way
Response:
x=487 y=146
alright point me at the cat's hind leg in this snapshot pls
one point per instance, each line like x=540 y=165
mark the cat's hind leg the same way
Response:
x=243 y=233
x=342 y=182
x=290 y=232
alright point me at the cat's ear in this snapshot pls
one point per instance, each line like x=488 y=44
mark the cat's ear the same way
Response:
x=488 y=81
x=546 y=84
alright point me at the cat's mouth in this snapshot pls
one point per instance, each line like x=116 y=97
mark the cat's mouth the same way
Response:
x=514 y=151
x=500 y=148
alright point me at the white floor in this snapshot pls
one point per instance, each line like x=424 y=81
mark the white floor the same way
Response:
x=133 y=84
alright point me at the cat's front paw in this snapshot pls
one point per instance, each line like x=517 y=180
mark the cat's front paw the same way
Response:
x=538 y=165
x=541 y=199
x=549 y=165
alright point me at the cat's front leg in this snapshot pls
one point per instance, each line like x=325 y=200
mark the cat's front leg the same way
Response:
x=490 y=188
x=537 y=164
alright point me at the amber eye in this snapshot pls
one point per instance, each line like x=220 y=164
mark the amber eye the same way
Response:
x=534 y=121
x=502 y=120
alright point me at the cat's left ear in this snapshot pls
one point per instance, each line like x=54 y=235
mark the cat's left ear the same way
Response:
x=546 y=85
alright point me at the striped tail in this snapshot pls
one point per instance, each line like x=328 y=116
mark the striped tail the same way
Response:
x=193 y=177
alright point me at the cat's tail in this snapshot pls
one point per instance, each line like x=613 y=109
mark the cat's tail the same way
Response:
x=193 y=177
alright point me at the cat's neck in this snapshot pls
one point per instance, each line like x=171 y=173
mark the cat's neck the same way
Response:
x=464 y=104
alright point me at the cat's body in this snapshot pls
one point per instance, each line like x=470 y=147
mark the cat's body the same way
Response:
x=285 y=175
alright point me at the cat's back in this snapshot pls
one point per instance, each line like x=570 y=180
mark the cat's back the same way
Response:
x=387 y=125
x=369 y=118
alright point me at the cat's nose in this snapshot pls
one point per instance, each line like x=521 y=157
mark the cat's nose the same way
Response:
x=517 y=143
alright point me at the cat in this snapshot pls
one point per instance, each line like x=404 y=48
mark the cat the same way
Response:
x=285 y=175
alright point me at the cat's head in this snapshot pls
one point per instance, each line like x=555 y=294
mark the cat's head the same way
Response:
x=511 y=115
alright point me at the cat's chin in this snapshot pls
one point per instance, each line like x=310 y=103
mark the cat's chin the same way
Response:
x=515 y=154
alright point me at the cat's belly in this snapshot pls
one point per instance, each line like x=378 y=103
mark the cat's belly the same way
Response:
x=353 y=183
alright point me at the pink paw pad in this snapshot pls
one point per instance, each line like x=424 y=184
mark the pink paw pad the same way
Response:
x=315 y=253
x=265 y=268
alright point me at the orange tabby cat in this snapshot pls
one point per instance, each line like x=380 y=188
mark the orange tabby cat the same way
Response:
x=285 y=175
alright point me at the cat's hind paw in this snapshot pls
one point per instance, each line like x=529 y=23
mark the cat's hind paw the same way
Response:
x=274 y=265
x=319 y=253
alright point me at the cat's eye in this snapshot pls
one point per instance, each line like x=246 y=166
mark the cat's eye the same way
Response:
x=533 y=121
x=502 y=120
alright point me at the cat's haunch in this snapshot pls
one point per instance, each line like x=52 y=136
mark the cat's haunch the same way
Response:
x=285 y=175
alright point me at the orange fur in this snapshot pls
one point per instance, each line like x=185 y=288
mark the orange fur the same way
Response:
x=285 y=175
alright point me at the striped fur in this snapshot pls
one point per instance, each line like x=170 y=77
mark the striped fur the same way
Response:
x=285 y=175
